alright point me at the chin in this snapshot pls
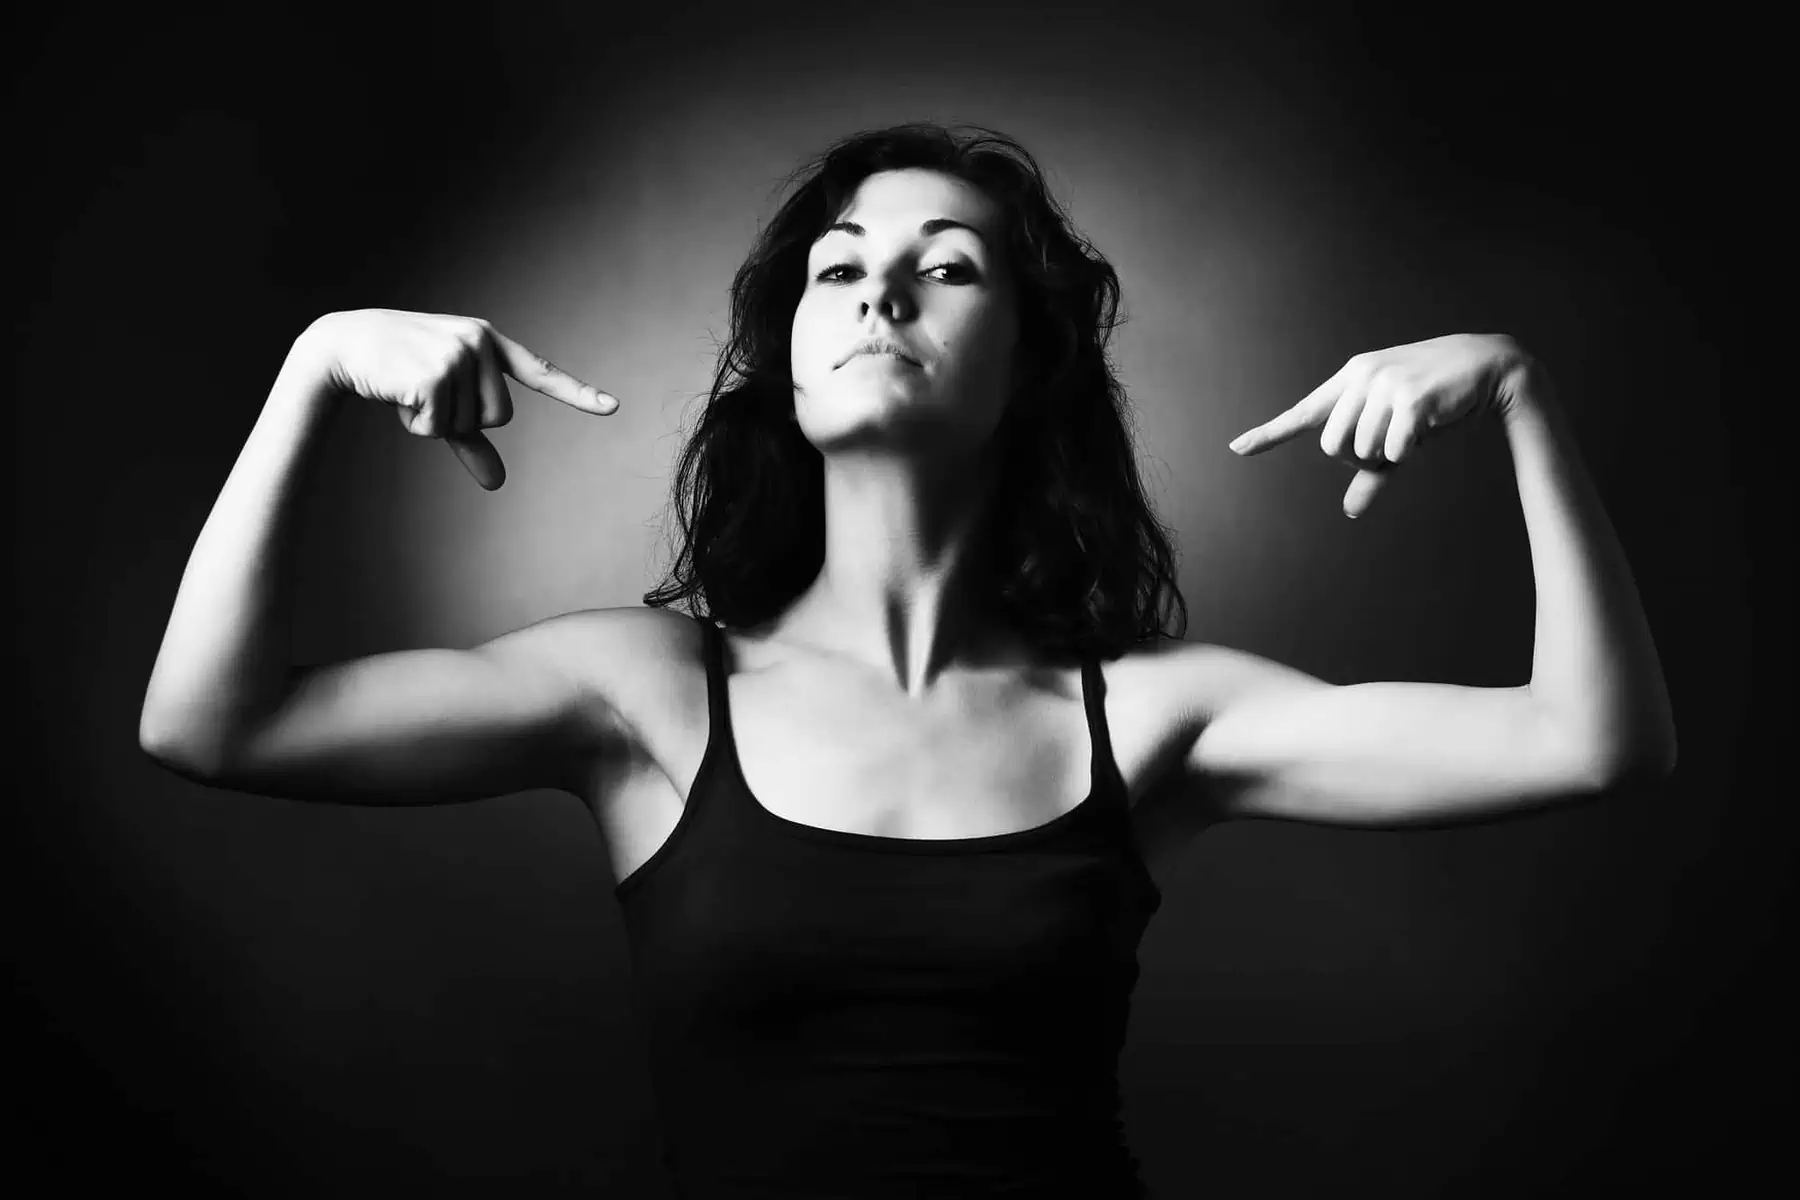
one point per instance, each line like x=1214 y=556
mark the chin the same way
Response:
x=885 y=402
x=923 y=430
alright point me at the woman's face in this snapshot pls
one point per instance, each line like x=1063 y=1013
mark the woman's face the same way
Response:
x=915 y=260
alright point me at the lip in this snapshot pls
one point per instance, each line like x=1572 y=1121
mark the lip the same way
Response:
x=880 y=346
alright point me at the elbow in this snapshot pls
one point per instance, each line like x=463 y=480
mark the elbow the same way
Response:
x=1645 y=763
x=169 y=756
x=173 y=752
x=1604 y=763
x=154 y=740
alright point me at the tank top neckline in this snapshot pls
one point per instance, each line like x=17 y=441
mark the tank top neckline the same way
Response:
x=721 y=755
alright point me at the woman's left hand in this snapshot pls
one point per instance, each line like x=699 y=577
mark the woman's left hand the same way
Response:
x=1382 y=403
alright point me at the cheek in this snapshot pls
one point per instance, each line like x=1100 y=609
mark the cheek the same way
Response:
x=986 y=349
x=805 y=343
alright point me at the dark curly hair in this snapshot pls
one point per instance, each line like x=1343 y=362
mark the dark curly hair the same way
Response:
x=1077 y=563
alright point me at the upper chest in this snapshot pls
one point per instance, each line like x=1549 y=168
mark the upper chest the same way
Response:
x=821 y=745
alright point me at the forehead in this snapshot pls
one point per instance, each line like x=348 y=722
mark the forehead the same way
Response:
x=897 y=202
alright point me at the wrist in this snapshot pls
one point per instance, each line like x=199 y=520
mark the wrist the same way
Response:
x=305 y=388
x=311 y=363
x=1524 y=388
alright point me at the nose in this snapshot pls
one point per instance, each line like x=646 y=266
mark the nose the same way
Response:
x=886 y=294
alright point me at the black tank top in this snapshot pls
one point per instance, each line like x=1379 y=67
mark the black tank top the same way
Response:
x=854 y=1016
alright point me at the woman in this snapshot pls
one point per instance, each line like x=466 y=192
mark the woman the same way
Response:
x=881 y=811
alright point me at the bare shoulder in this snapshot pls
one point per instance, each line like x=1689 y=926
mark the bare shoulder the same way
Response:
x=633 y=661
x=1221 y=675
x=1198 y=680
x=634 y=628
x=1178 y=689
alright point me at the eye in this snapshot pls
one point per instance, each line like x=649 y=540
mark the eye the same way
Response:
x=958 y=271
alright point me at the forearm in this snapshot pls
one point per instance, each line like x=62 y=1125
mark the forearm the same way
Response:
x=225 y=652
x=1594 y=663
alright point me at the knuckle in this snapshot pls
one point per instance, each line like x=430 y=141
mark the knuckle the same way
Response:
x=422 y=416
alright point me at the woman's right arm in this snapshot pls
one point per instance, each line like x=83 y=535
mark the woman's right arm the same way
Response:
x=224 y=705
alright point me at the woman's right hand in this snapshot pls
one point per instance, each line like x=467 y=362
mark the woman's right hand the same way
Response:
x=443 y=376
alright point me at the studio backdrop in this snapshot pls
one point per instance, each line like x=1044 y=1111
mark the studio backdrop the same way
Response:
x=253 y=996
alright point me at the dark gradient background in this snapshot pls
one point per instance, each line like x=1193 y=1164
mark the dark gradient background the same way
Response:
x=238 y=995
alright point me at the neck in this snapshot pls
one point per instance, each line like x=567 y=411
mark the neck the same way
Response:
x=901 y=588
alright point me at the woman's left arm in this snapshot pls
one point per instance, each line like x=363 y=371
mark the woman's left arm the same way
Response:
x=1277 y=742
x=1593 y=662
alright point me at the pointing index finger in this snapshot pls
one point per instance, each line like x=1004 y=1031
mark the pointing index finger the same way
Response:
x=1309 y=413
x=541 y=375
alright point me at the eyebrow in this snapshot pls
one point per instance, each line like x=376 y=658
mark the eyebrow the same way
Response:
x=935 y=225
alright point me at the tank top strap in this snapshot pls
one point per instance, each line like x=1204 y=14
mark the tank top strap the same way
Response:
x=1105 y=770
x=718 y=763
x=714 y=643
